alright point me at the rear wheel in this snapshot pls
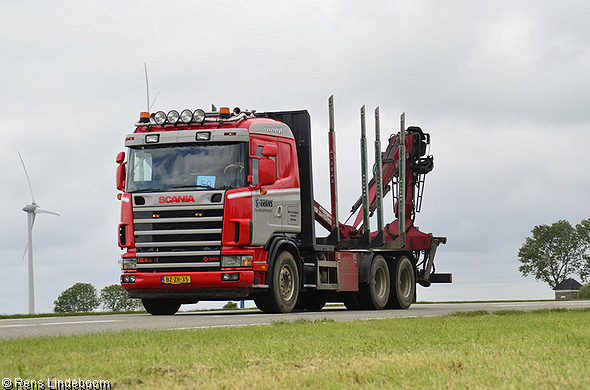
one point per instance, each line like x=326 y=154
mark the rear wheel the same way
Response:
x=403 y=284
x=161 y=306
x=375 y=294
x=351 y=301
x=284 y=286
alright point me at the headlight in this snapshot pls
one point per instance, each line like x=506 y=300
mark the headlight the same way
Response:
x=128 y=263
x=128 y=278
x=230 y=277
x=199 y=116
x=203 y=136
x=152 y=138
x=160 y=117
x=186 y=116
x=236 y=261
x=173 y=117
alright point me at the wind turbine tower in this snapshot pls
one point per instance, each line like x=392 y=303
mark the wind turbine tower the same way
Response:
x=31 y=210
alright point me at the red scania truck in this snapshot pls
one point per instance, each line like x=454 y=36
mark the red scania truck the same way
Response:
x=220 y=206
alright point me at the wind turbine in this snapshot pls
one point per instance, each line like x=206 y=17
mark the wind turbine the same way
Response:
x=31 y=210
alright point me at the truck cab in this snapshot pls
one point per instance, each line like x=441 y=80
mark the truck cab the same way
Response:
x=200 y=200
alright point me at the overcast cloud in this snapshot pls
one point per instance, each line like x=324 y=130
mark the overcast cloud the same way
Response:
x=503 y=88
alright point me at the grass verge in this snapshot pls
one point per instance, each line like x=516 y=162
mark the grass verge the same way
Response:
x=478 y=350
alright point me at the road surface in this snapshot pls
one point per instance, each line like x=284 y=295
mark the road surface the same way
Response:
x=55 y=326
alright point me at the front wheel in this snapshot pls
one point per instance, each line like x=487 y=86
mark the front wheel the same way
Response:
x=161 y=307
x=284 y=286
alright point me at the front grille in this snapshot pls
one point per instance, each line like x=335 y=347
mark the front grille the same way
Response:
x=178 y=238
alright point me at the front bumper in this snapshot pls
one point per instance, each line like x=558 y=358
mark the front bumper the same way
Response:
x=208 y=285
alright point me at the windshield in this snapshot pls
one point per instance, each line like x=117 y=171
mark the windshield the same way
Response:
x=187 y=167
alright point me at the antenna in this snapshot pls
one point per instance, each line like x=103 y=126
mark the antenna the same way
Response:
x=153 y=101
x=147 y=87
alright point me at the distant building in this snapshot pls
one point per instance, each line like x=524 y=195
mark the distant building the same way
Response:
x=568 y=289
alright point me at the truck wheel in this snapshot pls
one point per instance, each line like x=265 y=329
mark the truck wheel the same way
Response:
x=284 y=286
x=313 y=302
x=161 y=307
x=403 y=284
x=375 y=294
x=351 y=301
x=263 y=303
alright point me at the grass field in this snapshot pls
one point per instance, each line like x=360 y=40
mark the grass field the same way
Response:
x=506 y=350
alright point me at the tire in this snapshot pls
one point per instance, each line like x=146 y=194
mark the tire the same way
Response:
x=313 y=302
x=375 y=294
x=284 y=286
x=403 y=284
x=262 y=303
x=161 y=307
x=351 y=301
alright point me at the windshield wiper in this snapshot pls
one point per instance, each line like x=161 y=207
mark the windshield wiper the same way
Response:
x=208 y=187
x=148 y=190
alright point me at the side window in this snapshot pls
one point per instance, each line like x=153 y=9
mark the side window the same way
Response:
x=142 y=166
x=258 y=145
x=285 y=168
x=255 y=179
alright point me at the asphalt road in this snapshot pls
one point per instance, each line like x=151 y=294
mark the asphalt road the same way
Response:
x=56 y=326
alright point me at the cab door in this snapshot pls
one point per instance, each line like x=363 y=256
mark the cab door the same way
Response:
x=288 y=175
x=267 y=206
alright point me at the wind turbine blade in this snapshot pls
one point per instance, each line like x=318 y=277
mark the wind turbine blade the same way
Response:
x=25 y=252
x=39 y=210
x=27 y=174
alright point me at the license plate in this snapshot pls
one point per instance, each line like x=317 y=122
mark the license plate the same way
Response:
x=178 y=279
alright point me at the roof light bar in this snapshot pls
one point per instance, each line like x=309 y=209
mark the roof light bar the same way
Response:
x=187 y=116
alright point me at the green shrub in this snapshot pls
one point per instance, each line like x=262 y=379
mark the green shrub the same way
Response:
x=230 y=306
x=115 y=298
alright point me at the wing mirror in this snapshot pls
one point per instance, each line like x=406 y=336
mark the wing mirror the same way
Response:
x=121 y=171
x=267 y=171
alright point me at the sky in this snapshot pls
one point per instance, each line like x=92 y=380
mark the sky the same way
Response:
x=502 y=87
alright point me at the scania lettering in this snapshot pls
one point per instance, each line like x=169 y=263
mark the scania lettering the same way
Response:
x=176 y=199
x=220 y=206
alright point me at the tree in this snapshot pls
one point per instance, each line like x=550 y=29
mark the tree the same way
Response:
x=555 y=252
x=115 y=298
x=81 y=297
x=583 y=231
x=584 y=292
